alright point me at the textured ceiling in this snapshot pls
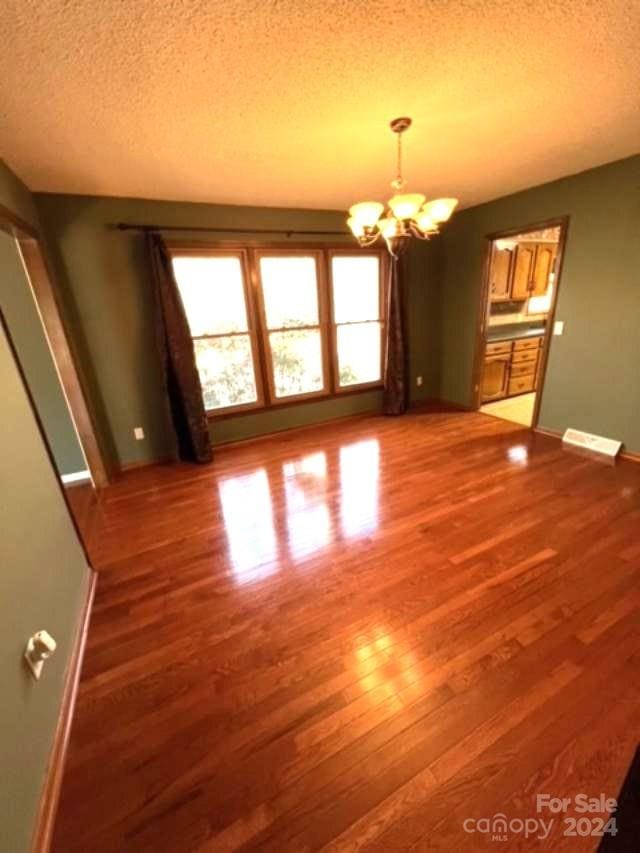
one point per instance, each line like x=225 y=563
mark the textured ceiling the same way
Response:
x=286 y=102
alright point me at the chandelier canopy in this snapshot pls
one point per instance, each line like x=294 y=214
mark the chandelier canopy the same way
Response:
x=409 y=214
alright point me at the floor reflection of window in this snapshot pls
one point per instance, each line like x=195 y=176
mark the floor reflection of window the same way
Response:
x=308 y=520
x=248 y=521
x=388 y=669
x=359 y=472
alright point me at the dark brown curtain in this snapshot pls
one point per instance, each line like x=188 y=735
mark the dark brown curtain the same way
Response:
x=185 y=407
x=395 y=399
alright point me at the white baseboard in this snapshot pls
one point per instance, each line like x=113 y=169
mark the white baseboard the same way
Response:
x=76 y=477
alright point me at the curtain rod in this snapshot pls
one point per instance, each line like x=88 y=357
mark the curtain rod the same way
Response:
x=133 y=226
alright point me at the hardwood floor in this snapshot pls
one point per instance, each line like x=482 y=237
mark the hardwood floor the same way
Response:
x=358 y=636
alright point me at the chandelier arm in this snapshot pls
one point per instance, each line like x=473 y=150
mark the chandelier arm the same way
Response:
x=417 y=232
x=369 y=240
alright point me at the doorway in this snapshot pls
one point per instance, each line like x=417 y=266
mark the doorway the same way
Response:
x=518 y=300
x=30 y=309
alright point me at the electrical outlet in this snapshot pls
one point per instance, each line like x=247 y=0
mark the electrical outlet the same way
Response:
x=558 y=327
x=419 y=381
x=138 y=433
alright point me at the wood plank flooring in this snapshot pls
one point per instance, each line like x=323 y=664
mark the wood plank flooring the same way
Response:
x=357 y=637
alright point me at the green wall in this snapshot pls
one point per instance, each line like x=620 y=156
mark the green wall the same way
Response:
x=592 y=379
x=104 y=279
x=43 y=584
x=21 y=314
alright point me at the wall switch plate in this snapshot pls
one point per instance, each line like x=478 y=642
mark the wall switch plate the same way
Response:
x=419 y=381
x=558 y=327
x=139 y=433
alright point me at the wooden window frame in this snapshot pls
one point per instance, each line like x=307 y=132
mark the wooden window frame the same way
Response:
x=251 y=332
x=321 y=326
x=251 y=251
x=340 y=390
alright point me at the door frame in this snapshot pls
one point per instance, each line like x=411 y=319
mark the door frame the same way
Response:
x=561 y=222
x=29 y=245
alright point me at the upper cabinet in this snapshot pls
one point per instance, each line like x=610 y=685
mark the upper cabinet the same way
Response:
x=521 y=272
x=500 y=274
x=545 y=260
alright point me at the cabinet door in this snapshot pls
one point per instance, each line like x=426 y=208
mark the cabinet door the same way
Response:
x=495 y=378
x=545 y=259
x=523 y=270
x=500 y=274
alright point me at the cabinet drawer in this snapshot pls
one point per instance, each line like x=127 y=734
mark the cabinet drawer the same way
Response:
x=498 y=348
x=526 y=344
x=521 y=384
x=524 y=356
x=525 y=368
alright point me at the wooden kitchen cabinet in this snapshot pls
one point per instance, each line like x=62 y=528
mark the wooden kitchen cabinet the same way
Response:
x=495 y=377
x=500 y=274
x=516 y=274
x=544 y=264
x=510 y=368
x=523 y=271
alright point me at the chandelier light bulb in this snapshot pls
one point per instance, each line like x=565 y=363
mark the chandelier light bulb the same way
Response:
x=440 y=209
x=425 y=223
x=388 y=227
x=356 y=226
x=366 y=213
x=407 y=205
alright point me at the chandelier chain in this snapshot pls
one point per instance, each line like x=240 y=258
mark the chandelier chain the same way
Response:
x=398 y=183
x=408 y=215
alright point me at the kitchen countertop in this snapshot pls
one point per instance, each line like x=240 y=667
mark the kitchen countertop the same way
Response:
x=513 y=332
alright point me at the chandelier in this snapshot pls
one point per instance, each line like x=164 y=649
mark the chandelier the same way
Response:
x=409 y=214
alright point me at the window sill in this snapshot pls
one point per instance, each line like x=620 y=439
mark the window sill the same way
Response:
x=298 y=401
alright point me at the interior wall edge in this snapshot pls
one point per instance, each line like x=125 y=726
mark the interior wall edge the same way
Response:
x=590 y=380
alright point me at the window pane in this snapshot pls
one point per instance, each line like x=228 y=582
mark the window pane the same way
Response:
x=297 y=362
x=359 y=353
x=290 y=291
x=356 y=290
x=226 y=371
x=212 y=294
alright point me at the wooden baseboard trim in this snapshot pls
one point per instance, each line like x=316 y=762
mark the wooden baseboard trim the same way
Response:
x=430 y=405
x=53 y=779
x=629 y=455
x=550 y=433
x=434 y=404
x=123 y=467
x=267 y=436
